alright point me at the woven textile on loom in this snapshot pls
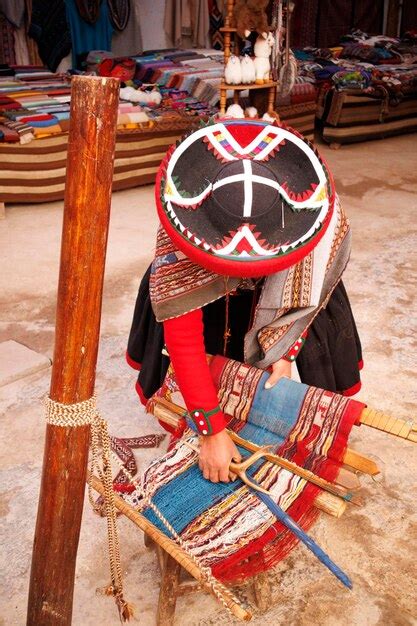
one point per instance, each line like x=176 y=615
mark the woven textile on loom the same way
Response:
x=225 y=524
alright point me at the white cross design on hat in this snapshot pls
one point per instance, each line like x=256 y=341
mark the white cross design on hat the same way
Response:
x=248 y=178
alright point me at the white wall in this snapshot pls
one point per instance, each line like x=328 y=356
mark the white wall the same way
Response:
x=152 y=24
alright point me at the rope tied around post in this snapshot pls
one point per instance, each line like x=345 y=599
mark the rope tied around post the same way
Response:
x=85 y=413
x=70 y=415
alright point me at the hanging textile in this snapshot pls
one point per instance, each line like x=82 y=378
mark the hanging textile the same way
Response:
x=86 y=37
x=21 y=46
x=89 y=10
x=409 y=16
x=48 y=26
x=216 y=23
x=14 y=11
x=368 y=15
x=304 y=25
x=119 y=13
x=200 y=23
x=7 y=50
x=187 y=18
x=129 y=41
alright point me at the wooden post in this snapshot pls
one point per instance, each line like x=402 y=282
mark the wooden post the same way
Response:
x=94 y=104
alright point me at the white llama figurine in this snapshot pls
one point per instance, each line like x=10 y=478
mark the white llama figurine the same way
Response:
x=235 y=111
x=251 y=112
x=248 y=70
x=233 y=71
x=262 y=49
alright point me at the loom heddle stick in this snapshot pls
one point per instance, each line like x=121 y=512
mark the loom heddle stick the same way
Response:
x=324 y=484
x=405 y=429
x=324 y=501
x=335 y=490
x=351 y=458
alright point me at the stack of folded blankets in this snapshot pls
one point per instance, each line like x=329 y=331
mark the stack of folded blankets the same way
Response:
x=197 y=72
x=34 y=122
x=367 y=86
x=33 y=103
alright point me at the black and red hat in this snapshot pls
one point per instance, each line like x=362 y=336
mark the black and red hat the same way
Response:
x=244 y=197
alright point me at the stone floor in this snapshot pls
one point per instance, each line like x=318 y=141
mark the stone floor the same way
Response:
x=376 y=544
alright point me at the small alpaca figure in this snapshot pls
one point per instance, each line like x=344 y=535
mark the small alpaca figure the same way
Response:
x=233 y=71
x=268 y=118
x=151 y=98
x=248 y=70
x=250 y=15
x=263 y=47
x=251 y=112
x=235 y=111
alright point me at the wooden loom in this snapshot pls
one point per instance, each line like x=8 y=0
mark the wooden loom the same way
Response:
x=331 y=500
x=90 y=162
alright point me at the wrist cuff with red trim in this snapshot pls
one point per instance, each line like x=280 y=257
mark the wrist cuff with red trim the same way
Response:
x=208 y=422
x=294 y=351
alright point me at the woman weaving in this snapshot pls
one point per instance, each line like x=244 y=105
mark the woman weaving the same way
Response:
x=249 y=257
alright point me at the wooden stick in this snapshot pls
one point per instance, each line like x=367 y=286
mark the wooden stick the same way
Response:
x=336 y=490
x=327 y=486
x=330 y=504
x=346 y=478
x=326 y=502
x=353 y=459
x=405 y=429
x=360 y=463
x=94 y=104
x=169 y=546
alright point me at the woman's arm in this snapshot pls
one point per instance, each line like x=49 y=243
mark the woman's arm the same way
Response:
x=185 y=342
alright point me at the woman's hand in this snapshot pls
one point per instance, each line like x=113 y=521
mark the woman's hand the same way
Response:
x=279 y=369
x=216 y=453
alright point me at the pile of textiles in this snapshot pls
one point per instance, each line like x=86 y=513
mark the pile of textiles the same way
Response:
x=34 y=102
x=379 y=49
x=198 y=72
x=298 y=108
x=34 y=122
x=367 y=86
x=40 y=101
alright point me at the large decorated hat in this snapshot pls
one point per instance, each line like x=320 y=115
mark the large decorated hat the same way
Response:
x=244 y=197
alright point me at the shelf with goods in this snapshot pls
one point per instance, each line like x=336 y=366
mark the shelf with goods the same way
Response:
x=229 y=34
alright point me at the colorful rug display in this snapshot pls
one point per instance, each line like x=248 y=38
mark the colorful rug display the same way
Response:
x=226 y=524
x=41 y=99
x=34 y=122
x=367 y=86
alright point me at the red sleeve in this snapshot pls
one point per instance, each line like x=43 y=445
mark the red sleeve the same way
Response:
x=184 y=339
x=294 y=351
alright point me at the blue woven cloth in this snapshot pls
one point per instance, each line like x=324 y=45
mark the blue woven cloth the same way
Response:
x=273 y=414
